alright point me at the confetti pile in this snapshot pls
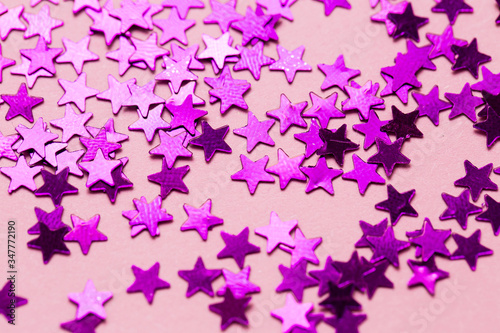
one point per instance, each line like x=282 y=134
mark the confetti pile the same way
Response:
x=84 y=154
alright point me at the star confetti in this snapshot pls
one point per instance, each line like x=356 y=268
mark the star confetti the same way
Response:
x=224 y=14
x=21 y=175
x=147 y=281
x=348 y=322
x=151 y=123
x=407 y=23
x=143 y=97
x=100 y=141
x=470 y=249
x=185 y=115
x=200 y=278
x=372 y=130
x=72 y=124
x=337 y=74
x=90 y=301
x=277 y=232
x=253 y=172
x=237 y=247
x=238 y=283
x=340 y=300
x=252 y=59
x=320 y=176
x=352 y=273
x=476 y=179
x=231 y=310
x=304 y=248
x=426 y=273
x=77 y=53
x=174 y=27
x=491 y=214
x=21 y=104
x=311 y=138
x=85 y=232
x=443 y=44
x=295 y=279
x=56 y=186
x=147 y=51
x=41 y=24
x=287 y=168
x=468 y=57
x=4 y=62
x=252 y=26
x=326 y=276
x=490 y=82
x=364 y=174
x=459 y=208
x=389 y=154
x=42 y=57
x=218 y=49
x=212 y=140
x=170 y=179
x=336 y=143
x=256 y=131
x=11 y=21
x=397 y=204
x=290 y=62
x=403 y=124
x=86 y=324
x=147 y=216
x=293 y=314
x=201 y=219
x=288 y=114
x=452 y=8
x=323 y=109
x=386 y=247
x=430 y=105
x=76 y=91
x=431 y=241
x=49 y=242
x=35 y=137
x=7 y=300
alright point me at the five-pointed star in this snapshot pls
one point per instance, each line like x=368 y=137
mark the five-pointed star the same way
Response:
x=429 y=105
x=183 y=6
x=151 y=123
x=387 y=247
x=35 y=137
x=148 y=215
x=185 y=115
x=143 y=97
x=340 y=300
x=41 y=24
x=212 y=140
x=491 y=214
x=452 y=8
x=237 y=247
x=304 y=248
x=364 y=174
x=464 y=103
x=100 y=168
x=76 y=91
x=470 y=249
x=256 y=131
x=105 y=23
x=252 y=26
x=117 y=93
x=407 y=23
x=100 y=141
x=171 y=147
x=361 y=99
x=403 y=124
x=336 y=143
x=23 y=68
x=217 y=49
x=6 y=149
x=72 y=124
x=389 y=154
x=290 y=62
x=443 y=43
x=311 y=138
x=295 y=279
x=147 y=51
x=10 y=20
x=252 y=59
x=337 y=74
x=200 y=278
x=224 y=14
x=176 y=72
x=85 y=232
x=147 y=281
x=287 y=168
x=90 y=301
x=5 y=62
x=431 y=240
x=371 y=130
x=490 y=82
x=131 y=14
x=468 y=57
x=476 y=179
x=459 y=208
x=42 y=57
x=253 y=172
x=277 y=232
x=49 y=242
x=170 y=179
x=77 y=53
x=426 y=273
x=21 y=175
x=320 y=175
x=231 y=310
x=238 y=283
x=56 y=186
x=388 y=7
x=201 y=219
x=288 y=114
x=397 y=204
x=21 y=104
x=293 y=314
x=173 y=28
x=323 y=109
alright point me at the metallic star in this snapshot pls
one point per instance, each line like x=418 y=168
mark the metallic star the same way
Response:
x=218 y=49
x=468 y=57
x=256 y=131
x=11 y=21
x=77 y=53
x=35 y=137
x=470 y=249
x=185 y=115
x=117 y=93
x=100 y=168
x=337 y=74
x=397 y=204
x=176 y=72
x=476 y=179
x=426 y=273
x=459 y=208
x=200 y=278
x=49 y=242
x=277 y=232
x=253 y=172
x=21 y=175
x=295 y=279
x=170 y=179
x=361 y=99
x=336 y=143
x=252 y=59
x=131 y=14
x=387 y=247
x=304 y=248
x=23 y=68
x=287 y=168
x=252 y=26
x=231 y=310
x=290 y=62
x=151 y=123
x=464 y=103
x=42 y=57
x=443 y=44
x=490 y=82
x=85 y=232
x=174 y=27
x=223 y=14
x=76 y=91
x=320 y=176
x=100 y=141
x=143 y=97
x=431 y=241
x=293 y=314
x=90 y=301
x=237 y=247
x=389 y=154
x=147 y=281
x=72 y=124
x=429 y=105
x=288 y=114
x=147 y=51
x=238 y=283
x=388 y=7
x=323 y=109
x=452 y=8
x=103 y=22
x=371 y=130
x=21 y=104
x=364 y=174
x=211 y=140
x=407 y=23
x=200 y=219
x=41 y=24
x=491 y=214
x=311 y=138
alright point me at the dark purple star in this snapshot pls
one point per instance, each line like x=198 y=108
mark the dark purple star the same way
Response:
x=376 y=230
x=147 y=281
x=443 y=43
x=326 y=276
x=211 y=140
x=340 y=300
x=231 y=310
x=386 y=247
x=407 y=23
x=470 y=249
x=491 y=126
x=200 y=278
x=6 y=300
x=468 y=57
x=353 y=271
x=492 y=102
x=85 y=325
x=431 y=241
x=476 y=179
x=170 y=179
x=452 y=8
x=347 y=323
x=237 y=246
x=403 y=124
x=397 y=204
x=426 y=273
x=377 y=278
x=491 y=214
x=51 y=220
x=21 y=104
x=389 y=154
x=429 y=105
x=336 y=143
x=120 y=181
x=56 y=186
x=295 y=279
x=459 y=208
x=49 y=242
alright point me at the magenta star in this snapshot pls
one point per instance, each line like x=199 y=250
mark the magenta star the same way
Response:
x=452 y=8
x=352 y=273
x=252 y=59
x=348 y=322
x=361 y=99
x=304 y=248
x=151 y=123
x=224 y=14
x=237 y=247
x=491 y=214
x=76 y=91
x=81 y=4
x=176 y=72
x=23 y=68
x=99 y=169
x=397 y=204
x=21 y=104
x=147 y=281
x=218 y=49
x=311 y=138
x=330 y=5
x=117 y=93
x=51 y=220
x=459 y=208
x=42 y=57
x=256 y=131
x=147 y=51
x=170 y=147
x=41 y=24
x=320 y=176
x=337 y=74
x=387 y=247
x=201 y=219
x=464 y=103
x=11 y=21
x=277 y=232
x=402 y=92
x=443 y=44
x=388 y=7
x=185 y=115
x=476 y=179
x=90 y=301
x=170 y=179
x=490 y=82
x=238 y=283
x=35 y=137
x=143 y=97
x=174 y=27
x=77 y=53
x=252 y=26
x=231 y=93
x=119 y=179
x=21 y=175
x=103 y=22
x=6 y=149
x=85 y=232
x=371 y=130
x=389 y=154
x=407 y=24
x=277 y=7
x=253 y=172
x=72 y=124
x=179 y=53
x=212 y=140
x=431 y=241
x=287 y=168
x=364 y=174
x=122 y=55
x=288 y=114
x=377 y=278
x=326 y=276
x=147 y=216
x=323 y=109
x=290 y=62
x=470 y=249
x=231 y=310
x=468 y=57
x=295 y=279
x=86 y=324
x=4 y=62
x=131 y=14
x=183 y=6
x=100 y=141
x=49 y=242
x=429 y=105
x=56 y=186
x=293 y=315
x=426 y=273
x=200 y=278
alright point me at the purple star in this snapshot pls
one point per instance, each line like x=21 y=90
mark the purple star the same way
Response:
x=337 y=74
x=277 y=232
x=352 y=273
x=21 y=104
x=347 y=323
x=397 y=204
x=51 y=149
x=231 y=93
x=178 y=53
x=429 y=105
x=431 y=241
x=470 y=249
x=90 y=301
x=491 y=214
x=295 y=279
x=11 y=21
x=76 y=91
x=147 y=216
x=185 y=115
x=22 y=69
x=277 y=7
x=452 y=8
x=290 y=62
x=287 y=168
x=336 y=143
x=443 y=44
x=201 y=219
x=200 y=278
x=330 y=5
x=256 y=131
x=464 y=103
x=6 y=143
x=252 y=26
x=77 y=53
x=320 y=176
x=468 y=57
x=490 y=126
x=402 y=92
x=147 y=51
x=311 y=138
x=218 y=49
x=122 y=55
x=288 y=114
x=371 y=130
x=170 y=148
x=476 y=179
x=238 y=283
x=407 y=23
x=85 y=325
x=224 y=14
x=72 y=124
x=183 y=5
x=237 y=247
x=109 y=129
x=387 y=247
x=252 y=59
x=41 y=24
x=253 y=172
x=326 y=276
x=99 y=169
x=51 y=220
x=21 y=175
x=49 y=242
x=404 y=71
x=35 y=137
x=211 y=140
x=388 y=7
x=459 y=208
x=170 y=179
x=131 y=14
x=117 y=93
x=293 y=314
x=42 y=57
x=147 y=281
x=323 y=109
x=377 y=278
x=304 y=248
x=314 y=319
x=7 y=299
x=187 y=89
x=364 y=174
x=143 y=97
x=120 y=181
x=81 y=4
x=56 y=186
x=376 y=230
x=403 y=124
x=490 y=82
x=105 y=23
x=389 y=154
x=173 y=28
x=231 y=310
x=100 y=141
x=361 y=99
x=85 y=232
x=151 y=123
x=340 y=300
x=426 y=273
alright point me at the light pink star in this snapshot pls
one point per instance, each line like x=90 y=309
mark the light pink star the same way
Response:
x=51 y=149
x=256 y=131
x=35 y=137
x=85 y=232
x=149 y=215
x=147 y=51
x=33 y=3
x=22 y=69
x=77 y=53
x=72 y=123
x=81 y=4
x=275 y=7
x=143 y=97
x=153 y=10
x=253 y=172
x=105 y=23
x=174 y=28
x=179 y=53
x=117 y=93
x=151 y=123
x=288 y=114
x=200 y=219
x=100 y=168
x=293 y=314
x=183 y=5
x=41 y=24
x=123 y=54
x=218 y=49
x=287 y=168
x=277 y=232
x=176 y=72
x=76 y=91
x=69 y=159
x=304 y=248
x=90 y=301
x=21 y=175
x=6 y=143
x=171 y=148
x=10 y=21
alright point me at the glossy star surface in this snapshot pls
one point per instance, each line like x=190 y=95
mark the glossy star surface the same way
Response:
x=224 y=14
x=490 y=126
x=200 y=219
x=397 y=204
x=459 y=208
x=389 y=154
x=429 y=105
x=170 y=179
x=56 y=186
x=41 y=24
x=468 y=57
x=143 y=97
x=464 y=103
x=151 y=123
x=490 y=82
x=85 y=325
x=173 y=28
x=103 y=22
x=21 y=104
x=371 y=130
x=218 y=49
x=76 y=91
x=323 y=109
x=287 y=168
x=212 y=140
x=476 y=179
x=131 y=14
x=77 y=53
x=85 y=232
x=49 y=242
x=6 y=149
x=377 y=278
x=185 y=115
x=252 y=59
x=326 y=276
x=293 y=314
x=277 y=232
x=147 y=281
x=72 y=124
x=407 y=24
x=431 y=241
x=353 y=272
x=491 y=214
x=336 y=143
x=122 y=55
x=23 y=69
x=426 y=273
x=443 y=44
x=231 y=93
x=200 y=278
x=147 y=51
x=337 y=74
x=238 y=283
x=90 y=301
x=295 y=279
x=452 y=8
x=42 y=57
x=311 y=138
x=10 y=20
x=237 y=247
x=256 y=131
x=231 y=310
x=35 y=137
x=4 y=62
x=117 y=92
x=170 y=148
x=288 y=114
x=100 y=141
x=388 y=7
x=119 y=179
x=364 y=174
x=51 y=220
x=470 y=249
x=403 y=124
x=304 y=248
x=179 y=53
x=252 y=26
x=21 y=175
x=361 y=99
x=99 y=169
x=386 y=247
x=320 y=176
x=253 y=172
x=340 y=300
x=290 y=62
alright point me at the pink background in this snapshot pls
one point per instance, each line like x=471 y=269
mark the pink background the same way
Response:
x=437 y=161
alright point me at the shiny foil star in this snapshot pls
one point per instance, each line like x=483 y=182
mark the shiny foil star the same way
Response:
x=123 y=54
x=90 y=301
x=464 y=103
x=183 y=6
x=117 y=93
x=212 y=140
x=389 y=154
x=147 y=51
x=288 y=114
x=201 y=219
x=7 y=300
x=100 y=141
x=151 y=123
x=377 y=278
x=51 y=220
x=490 y=126
x=470 y=249
x=42 y=57
x=185 y=115
x=173 y=28
x=287 y=168
x=468 y=57
x=72 y=124
x=326 y=276
x=76 y=91
x=459 y=208
x=252 y=59
x=352 y=273
x=443 y=44
x=388 y=7
x=311 y=138
x=293 y=314
x=231 y=310
x=323 y=109
x=397 y=204
x=21 y=104
x=21 y=175
x=86 y=324
x=277 y=232
x=452 y=8
x=295 y=279
x=256 y=131
x=231 y=93
x=491 y=214
x=237 y=247
x=238 y=283
x=387 y=247
x=170 y=179
x=253 y=172
x=143 y=97
x=340 y=300
x=371 y=130
x=119 y=179
x=99 y=169
x=431 y=241
x=218 y=49
x=23 y=68
x=147 y=216
x=171 y=147
x=337 y=74
x=85 y=232
x=430 y=105
x=336 y=143
x=348 y=322
x=224 y=14
x=200 y=278
x=77 y=53
x=426 y=273
x=476 y=179
x=35 y=137
x=364 y=174
x=252 y=26
x=179 y=53
x=407 y=23
x=49 y=242
x=11 y=21
x=41 y=24
x=490 y=82
x=105 y=23
x=277 y=7
x=131 y=14
x=56 y=186
x=147 y=281
x=361 y=99
x=304 y=248
x=6 y=143
x=403 y=124
x=320 y=176
x=290 y=62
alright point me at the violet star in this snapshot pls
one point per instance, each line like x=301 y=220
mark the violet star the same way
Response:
x=490 y=215
x=100 y=168
x=11 y=21
x=49 y=242
x=418 y=55
x=476 y=179
x=21 y=175
x=364 y=174
x=397 y=204
x=119 y=179
x=336 y=143
x=361 y=99
x=403 y=124
x=41 y=24
x=326 y=276
x=218 y=49
x=490 y=82
x=185 y=115
x=287 y=168
x=85 y=232
x=117 y=93
x=402 y=92
x=295 y=279
x=200 y=219
x=346 y=323
x=277 y=7
x=371 y=130
x=77 y=53
x=76 y=91
x=143 y=97
x=35 y=137
x=51 y=220
x=252 y=26
x=90 y=301
x=323 y=109
x=81 y=4
x=277 y=232
x=42 y=57
x=87 y=324
x=176 y=72
x=377 y=278
x=288 y=114
x=452 y=8
x=170 y=148
x=340 y=300
x=290 y=62
x=103 y=22
x=183 y=6
x=459 y=208
x=200 y=278
x=147 y=51
x=431 y=241
x=151 y=123
x=389 y=154
x=314 y=319
x=376 y=230
x=352 y=273
x=388 y=7
x=4 y=62
x=468 y=57
x=21 y=103
x=490 y=127
x=122 y=55
x=304 y=248
x=269 y=27
x=238 y=283
x=429 y=105
x=212 y=140
x=470 y=249
x=330 y=5
x=293 y=314
x=72 y=124
x=237 y=247
x=231 y=310
x=56 y=186
x=224 y=14
x=252 y=59
x=311 y=138
x=256 y=131
x=253 y=172
x=109 y=129
x=179 y=53
x=6 y=143
x=426 y=273
x=231 y=93
x=464 y=103
x=131 y=14
x=22 y=69
x=443 y=44
x=147 y=281
x=386 y=247
x=407 y=23
x=170 y=179
x=320 y=176
x=187 y=89
x=147 y=216
x=337 y=74
x=173 y=28
x=100 y=141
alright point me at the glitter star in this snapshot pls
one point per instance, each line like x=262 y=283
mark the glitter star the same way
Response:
x=253 y=172
x=477 y=179
x=470 y=249
x=364 y=174
x=277 y=7
x=119 y=179
x=42 y=57
x=174 y=27
x=90 y=301
x=304 y=248
x=323 y=109
x=218 y=49
x=490 y=82
x=147 y=216
x=388 y=7
x=459 y=208
x=187 y=89
x=238 y=283
x=431 y=241
x=183 y=6
x=11 y=21
x=151 y=123
x=72 y=124
x=41 y=24
x=21 y=104
x=464 y=103
x=337 y=74
x=176 y=72
x=200 y=278
x=231 y=310
x=293 y=315
x=23 y=68
x=252 y=59
x=77 y=53
x=100 y=141
x=105 y=23
x=122 y=55
x=231 y=93
x=179 y=53
x=288 y=114
x=170 y=179
x=147 y=51
x=277 y=232
x=143 y=97
x=21 y=175
x=56 y=186
x=426 y=273
x=361 y=99
x=407 y=23
x=452 y=8
x=147 y=281
x=443 y=44
x=69 y=159
x=185 y=115
x=49 y=242
x=237 y=247
x=85 y=232
x=311 y=138
x=468 y=57
x=377 y=278
x=201 y=219
x=403 y=124
x=51 y=220
x=287 y=168
x=35 y=137
x=389 y=154
x=100 y=168
x=320 y=176
x=76 y=91
x=224 y=14
x=290 y=62
x=256 y=131
x=170 y=148
x=371 y=130
x=295 y=279
x=397 y=204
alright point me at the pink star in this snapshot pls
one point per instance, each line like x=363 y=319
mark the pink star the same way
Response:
x=364 y=173
x=41 y=24
x=151 y=123
x=90 y=301
x=231 y=93
x=224 y=14
x=76 y=91
x=371 y=130
x=176 y=72
x=387 y=7
x=186 y=90
x=252 y=59
x=149 y=215
x=147 y=51
x=287 y=168
x=323 y=109
x=98 y=142
x=277 y=232
x=81 y=4
x=153 y=10
x=253 y=172
x=218 y=49
x=123 y=54
x=238 y=283
x=171 y=148
x=179 y=53
x=35 y=137
x=51 y=149
x=117 y=93
x=23 y=68
x=201 y=219
x=77 y=53
x=337 y=74
x=361 y=99
x=131 y=13
x=72 y=123
x=288 y=114
x=293 y=314
x=6 y=143
x=253 y=25
x=143 y=97
x=304 y=248
x=21 y=175
x=105 y=23
x=42 y=57
x=100 y=168
x=67 y=159
x=174 y=27
x=256 y=131
x=275 y=7
x=183 y=5
x=320 y=176
x=85 y=232
x=10 y=21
